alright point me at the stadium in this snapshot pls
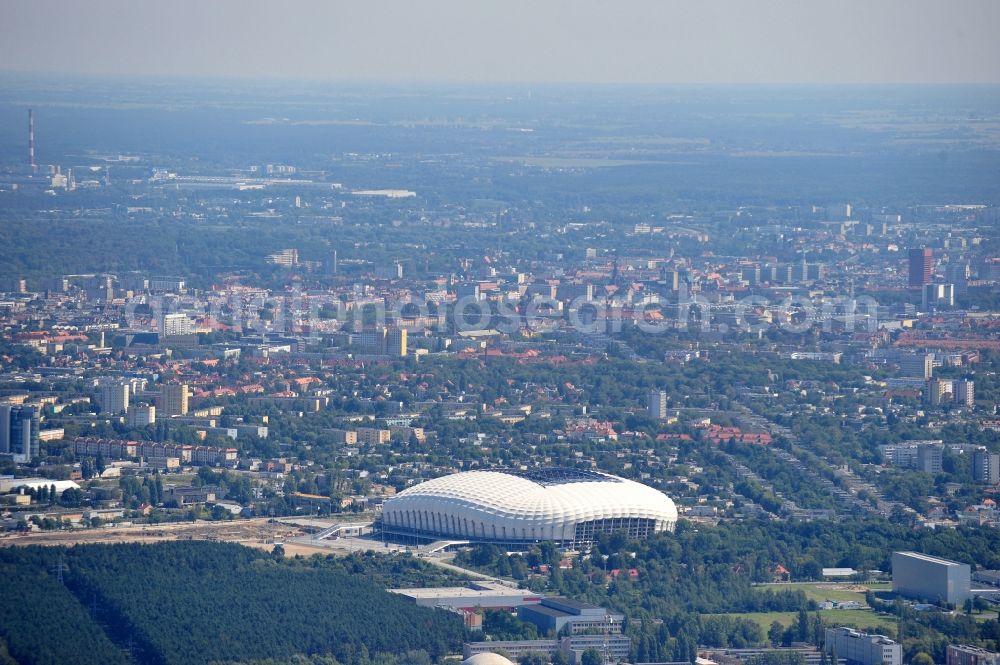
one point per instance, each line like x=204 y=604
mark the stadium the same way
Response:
x=515 y=508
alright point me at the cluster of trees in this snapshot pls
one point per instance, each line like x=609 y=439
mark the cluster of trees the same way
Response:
x=398 y=571
x=760 y=495
x=69 y=498
x=90 y=466
x=235 y=486
x=671 y=577
x=145 y=491
x=18 y=356
x=200 y=602
x=687 y=581
x=790 y=483
x=805 y=628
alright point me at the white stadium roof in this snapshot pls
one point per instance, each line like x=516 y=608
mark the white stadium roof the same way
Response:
x=563 y=505
x=487 y=658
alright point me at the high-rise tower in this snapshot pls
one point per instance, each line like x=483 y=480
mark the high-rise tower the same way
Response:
x=31 y=142
x=921 y=266
x=19 y=427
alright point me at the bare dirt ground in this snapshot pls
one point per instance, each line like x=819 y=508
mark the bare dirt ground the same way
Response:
x=261 y=533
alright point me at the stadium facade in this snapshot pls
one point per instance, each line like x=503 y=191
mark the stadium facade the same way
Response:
x=514 y=508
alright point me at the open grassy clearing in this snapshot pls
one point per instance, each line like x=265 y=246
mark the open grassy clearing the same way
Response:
x=840 y=592
x=856 y=618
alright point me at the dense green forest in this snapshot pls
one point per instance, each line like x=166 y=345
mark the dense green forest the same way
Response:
x=41 y=622
x=196 y=603
x=214 y=603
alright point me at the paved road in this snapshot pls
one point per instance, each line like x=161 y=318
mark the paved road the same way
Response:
x=463 y=571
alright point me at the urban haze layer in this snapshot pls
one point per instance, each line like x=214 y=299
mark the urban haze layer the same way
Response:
x=334 y=374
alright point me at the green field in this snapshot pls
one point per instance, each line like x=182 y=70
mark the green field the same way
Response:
x=821 y=592
x=828 y=591
x=856 y=618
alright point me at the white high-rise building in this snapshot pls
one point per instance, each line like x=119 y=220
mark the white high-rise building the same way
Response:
x=965 y=392
x=986 y=467
x=113 y=396
x=958 y=274
x=175 y=324
x=938 y=391
x=381 y=341
x=839 y=211
x=936 y=296
x=141 y=415
x=173 y=399
x=657 y=406
x=920 y=365
x=137 y=384
x=19 y=427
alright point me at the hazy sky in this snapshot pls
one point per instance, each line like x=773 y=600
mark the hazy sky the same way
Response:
x=640 y=41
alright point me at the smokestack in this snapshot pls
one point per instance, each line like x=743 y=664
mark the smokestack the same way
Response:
x=31 y=142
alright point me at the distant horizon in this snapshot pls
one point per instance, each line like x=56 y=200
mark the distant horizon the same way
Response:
x=27 y=75
x=634 y=42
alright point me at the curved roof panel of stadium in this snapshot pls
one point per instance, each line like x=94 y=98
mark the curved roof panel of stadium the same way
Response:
x=487 y=658
x=564 y=505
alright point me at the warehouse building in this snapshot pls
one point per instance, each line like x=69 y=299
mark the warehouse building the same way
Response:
x=562 y=615
x=924 y=577
x=485 y=595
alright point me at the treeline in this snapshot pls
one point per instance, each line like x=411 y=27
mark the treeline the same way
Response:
x=197 y=603
x=668 y=580
x=701 y=570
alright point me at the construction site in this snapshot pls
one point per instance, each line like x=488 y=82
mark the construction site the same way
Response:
x=262 y=533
